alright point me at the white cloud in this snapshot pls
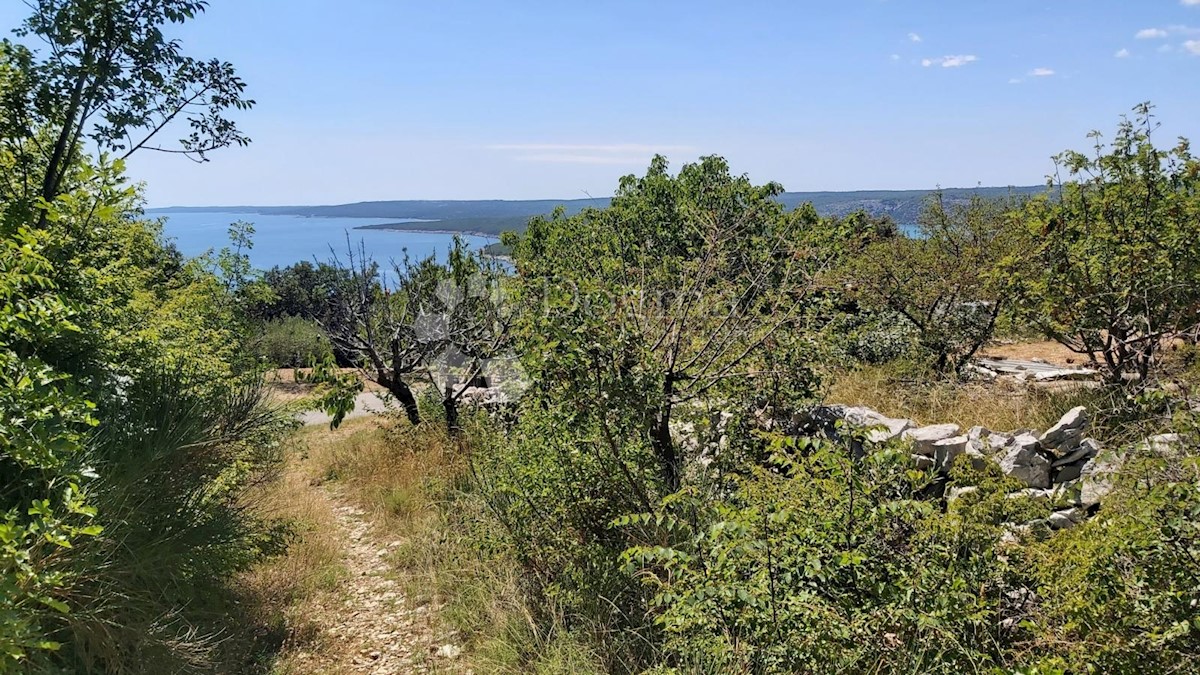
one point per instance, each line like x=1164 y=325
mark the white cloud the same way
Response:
x=1160 y=33
x=1015 y=80
x=1193 y=46
x=950 y=61
x=913 y=37
x=1190 y=3
x=1041 y=72
x=894 y=57
x=1124 y=53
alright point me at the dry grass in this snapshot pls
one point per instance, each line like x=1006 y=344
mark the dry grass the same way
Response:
x=1002 y=406
x=413 y=485
x=282 y=591
x=1046 y=350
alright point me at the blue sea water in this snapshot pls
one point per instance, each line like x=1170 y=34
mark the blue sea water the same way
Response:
x=283 y=240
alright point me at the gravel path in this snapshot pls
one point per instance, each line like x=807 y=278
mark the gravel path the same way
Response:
x=367 y=403
x=369 y=626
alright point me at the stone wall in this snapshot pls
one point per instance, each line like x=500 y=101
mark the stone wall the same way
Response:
x=1061 y=465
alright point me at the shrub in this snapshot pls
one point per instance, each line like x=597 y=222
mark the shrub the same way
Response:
x=821 y=563
x=292 y=342
x=1115 y=274
x=151 y=592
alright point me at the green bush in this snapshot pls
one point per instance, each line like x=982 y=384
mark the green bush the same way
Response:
x=291 y=342
x=151 y=592
x=818 y=563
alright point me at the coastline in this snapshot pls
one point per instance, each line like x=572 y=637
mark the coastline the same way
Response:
x=399 y=227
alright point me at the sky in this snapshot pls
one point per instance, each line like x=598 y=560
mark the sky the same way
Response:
x=471 y=99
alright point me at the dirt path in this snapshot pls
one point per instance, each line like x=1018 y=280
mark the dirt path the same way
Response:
x=365 y=404
x=368 y=626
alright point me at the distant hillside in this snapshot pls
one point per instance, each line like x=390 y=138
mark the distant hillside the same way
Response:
x=493 y=216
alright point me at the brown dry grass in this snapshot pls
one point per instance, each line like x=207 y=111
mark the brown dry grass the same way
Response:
x=1047 y=350
x=412 y=484
x=1001 y=406
x=283 y=590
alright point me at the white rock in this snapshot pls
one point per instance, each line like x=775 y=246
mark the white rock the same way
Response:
x=923 y=438
x=956 y=492
x=946 y=450
x=922 y=462
x=1031 y=493
x=891 y=428
x=1061 y=520
x=449 y=651
x=978 y=433
x=1096 y=478
x=979 y=461
x=1022 y=460
x=1069 y=428
x=1163 y=445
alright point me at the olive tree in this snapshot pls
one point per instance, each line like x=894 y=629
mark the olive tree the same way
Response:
x=426 y=323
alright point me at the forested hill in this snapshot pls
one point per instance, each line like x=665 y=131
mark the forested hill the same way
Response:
x=494 y=216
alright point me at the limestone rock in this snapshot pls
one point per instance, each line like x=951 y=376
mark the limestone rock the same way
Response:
x=1061 y=520
x=1022 y=459
x=922 y=462
x=891 y=428
x=923 y=438
x=957 y=492
x=1096 y=478
x=946 y=450
x=1070 y=467
x=1067 y=430
x=1031 y=493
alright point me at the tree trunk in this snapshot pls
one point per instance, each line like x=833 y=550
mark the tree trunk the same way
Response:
x=661 y=442
x=450 y=404
x=404 y=394
x=664 y=449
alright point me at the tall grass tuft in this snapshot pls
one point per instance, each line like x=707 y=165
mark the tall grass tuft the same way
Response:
x=174 y=461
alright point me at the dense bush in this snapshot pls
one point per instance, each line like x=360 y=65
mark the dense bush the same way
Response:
x=291 y=342
x=1114 y=270
x=125 y=438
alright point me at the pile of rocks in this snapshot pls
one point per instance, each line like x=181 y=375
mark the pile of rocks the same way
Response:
x=1061 y=465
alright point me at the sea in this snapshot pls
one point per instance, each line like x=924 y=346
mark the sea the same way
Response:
x=283 y=240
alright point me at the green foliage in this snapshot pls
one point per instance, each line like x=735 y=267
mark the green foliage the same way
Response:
x=119 y=511
x=300 y=290
x=946 y=283
x=822 y=563
x=291 y=342
x=1116 y=271
x=1118 y=594
x=639 y=324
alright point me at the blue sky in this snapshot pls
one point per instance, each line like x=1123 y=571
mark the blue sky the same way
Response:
x=456 y=99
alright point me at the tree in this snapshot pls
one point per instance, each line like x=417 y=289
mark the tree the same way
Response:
x=113 y=78
x=436 y=323
x=91 y=301
x=671 y=296
x=1117 y=266
x=943 y=282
